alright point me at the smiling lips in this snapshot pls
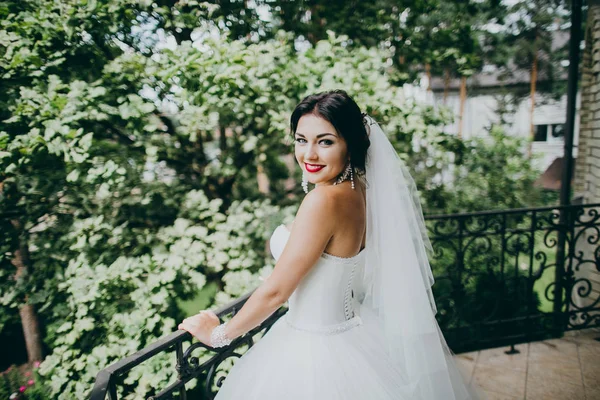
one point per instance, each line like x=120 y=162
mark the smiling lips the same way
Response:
x=313 y=168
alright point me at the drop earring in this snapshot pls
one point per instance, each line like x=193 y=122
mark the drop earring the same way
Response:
x=349 y=171
x=304 y=182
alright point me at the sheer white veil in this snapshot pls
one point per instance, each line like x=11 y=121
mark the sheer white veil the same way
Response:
x=397 y=277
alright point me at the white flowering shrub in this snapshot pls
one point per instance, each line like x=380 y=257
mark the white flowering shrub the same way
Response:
x=110 y=309
x=134 y=172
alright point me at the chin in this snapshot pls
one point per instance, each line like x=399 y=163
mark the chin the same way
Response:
x=319 y=182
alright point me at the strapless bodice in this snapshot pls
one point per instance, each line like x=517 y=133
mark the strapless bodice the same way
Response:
x=324 y=300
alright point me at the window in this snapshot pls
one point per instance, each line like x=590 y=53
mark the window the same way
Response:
x=549 y=133
x=541 y=133
x=558 y=130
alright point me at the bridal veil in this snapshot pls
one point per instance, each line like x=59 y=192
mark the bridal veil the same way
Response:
x=397 y=277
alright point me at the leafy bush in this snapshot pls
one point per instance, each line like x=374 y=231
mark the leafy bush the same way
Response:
x=22 y=383
x=133 y=171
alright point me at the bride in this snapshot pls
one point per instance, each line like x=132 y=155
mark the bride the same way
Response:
x=355 y=271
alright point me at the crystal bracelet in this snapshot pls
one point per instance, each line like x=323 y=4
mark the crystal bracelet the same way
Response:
x=218 y=337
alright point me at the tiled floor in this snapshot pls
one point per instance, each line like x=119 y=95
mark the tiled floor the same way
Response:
x=558 y=369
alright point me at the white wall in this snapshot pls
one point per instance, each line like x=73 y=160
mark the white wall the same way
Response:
x=480 y=113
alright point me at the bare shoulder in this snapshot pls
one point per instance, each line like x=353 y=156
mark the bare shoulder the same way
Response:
x=325 y=205
x=337 y=197
x=320 y=202
x=319 y=207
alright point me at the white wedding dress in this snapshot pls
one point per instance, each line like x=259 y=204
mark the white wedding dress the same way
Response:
x=327 y=346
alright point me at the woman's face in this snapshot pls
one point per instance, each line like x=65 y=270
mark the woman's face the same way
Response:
x=320 y=151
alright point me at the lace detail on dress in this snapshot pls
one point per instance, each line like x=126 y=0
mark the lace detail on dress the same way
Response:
x=328 y=329
x=345 y=260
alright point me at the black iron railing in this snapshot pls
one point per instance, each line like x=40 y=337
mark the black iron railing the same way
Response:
x=515 y=276
x=502 y=278
x=188 y=366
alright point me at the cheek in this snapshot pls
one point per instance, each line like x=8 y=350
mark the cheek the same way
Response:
x=330 y=157
x=342 y=157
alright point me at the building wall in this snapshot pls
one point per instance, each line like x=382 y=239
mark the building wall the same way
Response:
x=480 y=113
x=587 y=167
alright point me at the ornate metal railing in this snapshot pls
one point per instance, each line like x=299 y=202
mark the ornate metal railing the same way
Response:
x=188 y=366
x=515 y=276
x=502 y=278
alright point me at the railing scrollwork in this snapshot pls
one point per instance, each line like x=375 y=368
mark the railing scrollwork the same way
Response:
x=497 y=277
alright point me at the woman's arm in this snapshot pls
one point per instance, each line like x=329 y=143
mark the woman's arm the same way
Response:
x=313 y=228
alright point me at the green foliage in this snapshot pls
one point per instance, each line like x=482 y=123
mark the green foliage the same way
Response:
x=493 y=173
x=442 y=34
x=110 y=306
x=132 y=165
x=22 y=383
x=535 y=32
x=107 y=184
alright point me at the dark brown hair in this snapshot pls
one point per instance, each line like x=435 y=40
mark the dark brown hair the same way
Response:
x=337 y=107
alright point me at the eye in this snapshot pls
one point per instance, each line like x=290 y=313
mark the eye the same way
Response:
x=299 y=140
x=328 y=141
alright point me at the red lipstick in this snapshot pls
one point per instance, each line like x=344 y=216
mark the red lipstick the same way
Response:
x=313 y=167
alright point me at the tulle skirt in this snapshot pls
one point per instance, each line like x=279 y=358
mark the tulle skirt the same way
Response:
x=288 y=363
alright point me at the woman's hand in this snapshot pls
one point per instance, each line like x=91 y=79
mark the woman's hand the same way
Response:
x=201 y=325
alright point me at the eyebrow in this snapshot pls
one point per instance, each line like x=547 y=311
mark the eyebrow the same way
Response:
x=318 y=136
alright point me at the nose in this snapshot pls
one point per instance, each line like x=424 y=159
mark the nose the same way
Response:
x=310 y=154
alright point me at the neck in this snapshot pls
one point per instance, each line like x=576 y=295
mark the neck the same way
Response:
x=324 y=184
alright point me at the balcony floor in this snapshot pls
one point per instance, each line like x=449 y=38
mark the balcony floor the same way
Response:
x=565 y=368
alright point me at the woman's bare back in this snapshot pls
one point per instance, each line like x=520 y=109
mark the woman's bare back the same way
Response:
x=350 y=235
